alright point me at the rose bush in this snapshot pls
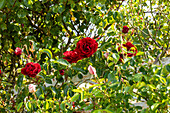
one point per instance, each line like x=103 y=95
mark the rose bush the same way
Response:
x=31 y=69
x=56 y=35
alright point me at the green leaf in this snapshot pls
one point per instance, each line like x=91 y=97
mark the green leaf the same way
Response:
x=78 y=69
x=154 y=106
x=137 y=77
x=64 y=62
x=75 y=97
x=151 y=86
x=3 y=26
x=77 y=90
x=140 y=53
x=89 y=107
x=111 y=76
x=2 y=3
x=28 y=106
x=102 y=111
x=115 y=57
x=20 y=80
x=47 y=51
x=46 y=105
x=145 y=33
x=100 y=31
x=48 y=80
x=19 y=106
x=62 y=106
x=115 y=15
x=168 y=67
x=163 y=80
x=127 y=88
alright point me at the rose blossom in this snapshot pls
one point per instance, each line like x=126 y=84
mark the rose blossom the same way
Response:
x=61 y=72
x=31 y=69
x=86 y=47
x=130 y=47
x=32 y=88
x=18 y=51
x=71 y=56
x=125 y=29
x=0 y=72
x=92 y=70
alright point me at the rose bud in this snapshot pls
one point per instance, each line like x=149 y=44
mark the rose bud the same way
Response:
x=73 y=104
x=31 y=69
x=18 y=51
x=22 y=25
x=32 y=88
x=122 y=80
x=125 y=29
x=106 y=54
x=61 y=72
x=92 y=70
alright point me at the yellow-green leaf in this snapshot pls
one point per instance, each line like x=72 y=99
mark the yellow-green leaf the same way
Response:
x=19 y=106
x=48 y=52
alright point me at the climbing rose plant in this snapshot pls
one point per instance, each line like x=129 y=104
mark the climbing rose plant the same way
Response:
x=50 y=48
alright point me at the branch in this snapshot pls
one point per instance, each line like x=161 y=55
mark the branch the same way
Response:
x=75 y=28
x=152 y=38
x=69 y=40
x=119 y=6
x=140 y=95
x=162 y=53
x=155 y=12
x=33 y=25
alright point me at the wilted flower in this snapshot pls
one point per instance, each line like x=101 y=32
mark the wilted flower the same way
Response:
x=106 y=54
x=32 y=88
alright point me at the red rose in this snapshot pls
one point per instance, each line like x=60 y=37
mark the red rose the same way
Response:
x=31 y=69
x=125 y=29
x=86 y=47
x=71 y=56
x=130 y=47
x=0 y=72
x=61 y=72
x=18 y=51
